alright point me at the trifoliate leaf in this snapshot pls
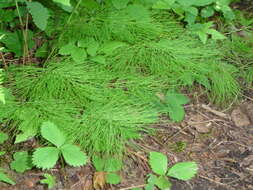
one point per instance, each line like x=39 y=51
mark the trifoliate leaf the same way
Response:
x=112 y=178
x=93 y=48
x=158 y=162
x=51 y=132
x=40 y=14
x=151 y=182
x=98 y=163
x=3 y=137
x=46 y=157
x=49 y=180
x=6 y=179
x=22 y=162
x=67 y=49
x=120 y=4
x=163 y=183
x=78 y=55
x=73 y=155
x=183 y=170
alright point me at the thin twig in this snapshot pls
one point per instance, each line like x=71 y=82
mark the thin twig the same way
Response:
x=137 y=186
x=215 y=112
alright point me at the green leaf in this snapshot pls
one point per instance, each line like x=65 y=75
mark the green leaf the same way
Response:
x=99 y=59
x=42 y=51
x=78 y=55
x=73 y=155
x=207 y=12
x=163 y=4
x=203 y=2
x=27 y=133
x=51 y=132
x=151 y=182
x=216 y=35
x=176 y=98
x=113 y=165
x=93 y=48
x=98 y=163
x=158 y=162
x=120 y=4
x=67 y=49
x=183 y=170
x=64 y=4
x=49 y=180
x=22 y=162
x=186 y=3
x=2 y=153
x=163 y=183
x=3 y=137
x=46 y=157
x=6 y=179
x=113 y=178
x=40 y=14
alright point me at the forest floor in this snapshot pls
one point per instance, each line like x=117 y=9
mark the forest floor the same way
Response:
x=219 y=141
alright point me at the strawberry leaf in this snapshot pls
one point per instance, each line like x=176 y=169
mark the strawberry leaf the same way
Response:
x=158 y=162
x=183 y=170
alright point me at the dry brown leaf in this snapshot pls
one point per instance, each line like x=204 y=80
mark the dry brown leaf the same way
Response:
x=99 y=180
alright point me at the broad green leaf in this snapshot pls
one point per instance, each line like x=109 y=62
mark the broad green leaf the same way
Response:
x=64 y=4
x=158 y=162
x=176 y=98
x=42 y=51
x=98 y=163
x=216 y=35
x=186 y=3
x=40 y=14
x=21 y=162
x=183 y=170
x=49 y=180
x=45 y=157
x=99 y=59
x=51 y=132
x=207 y=12
x=120 y=4
x=6 y=179
x=113 y=164
x=93 y=48
x=112 y=178
x=3 y=137
x=78 y=55
x=202 y=2
x=26 y=134
x=163 y=4
x=151 y=182
x=176 y=112
x=73 y=155
x=163 y=183
x=67 y=49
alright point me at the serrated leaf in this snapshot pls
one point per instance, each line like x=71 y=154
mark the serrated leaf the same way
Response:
x=67 y=49
x=93 y=48
x=21 y=162
x=6 y=179
x=40 y=14
x=163 y=183
x=183 y=170
x=73 y=155
x=49 y=180
x=3 y=137
x=113 y=178
x=78 y=55
x=120 y=4
x=51 y=132
x=45 y=157
x=98 y=163
x=216 y=35
x=158 y=162
x=151 y=182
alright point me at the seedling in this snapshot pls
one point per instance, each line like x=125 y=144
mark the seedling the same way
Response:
x=47 y=157
x=49 y=180
x=158 y=162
